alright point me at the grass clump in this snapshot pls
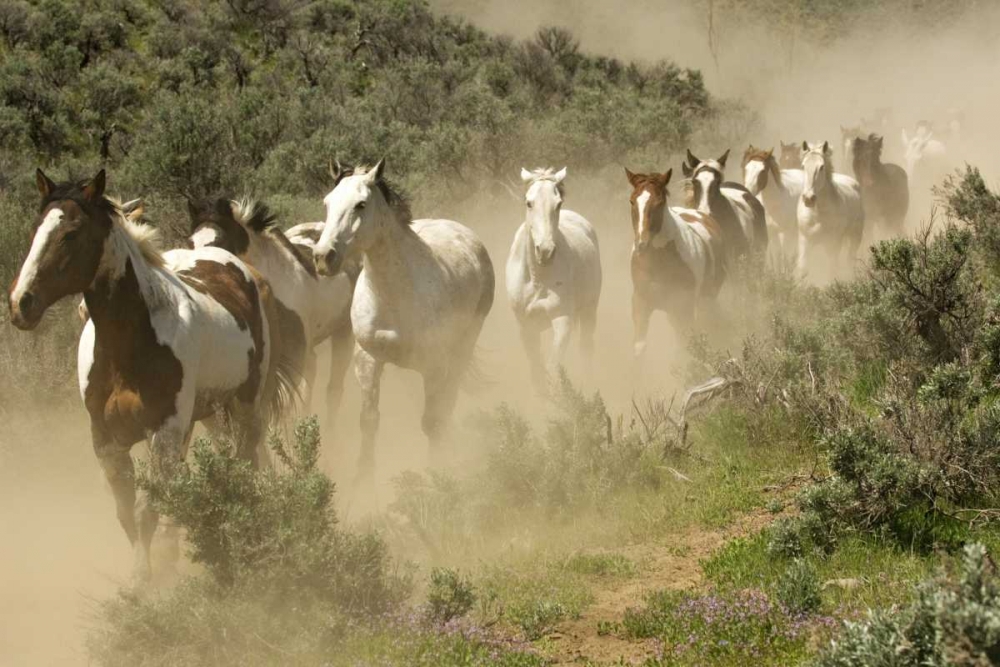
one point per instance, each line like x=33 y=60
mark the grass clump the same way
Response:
x=601 y=565
x=720 y=628
x=950 y=622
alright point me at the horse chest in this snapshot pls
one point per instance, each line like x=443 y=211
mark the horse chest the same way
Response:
x=131 y=400
x=661 y=272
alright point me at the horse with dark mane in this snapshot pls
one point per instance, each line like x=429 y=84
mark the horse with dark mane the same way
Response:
x=420 y=301
x=885 y=188
x=737 y=211
x=312 y=308
x=171 y=339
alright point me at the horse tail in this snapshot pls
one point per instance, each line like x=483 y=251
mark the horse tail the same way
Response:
x=287 y=359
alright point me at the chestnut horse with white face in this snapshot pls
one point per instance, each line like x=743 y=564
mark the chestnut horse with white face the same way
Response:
x=420 y=301
x=172 y=339
x=677 y=260
x=553 y=273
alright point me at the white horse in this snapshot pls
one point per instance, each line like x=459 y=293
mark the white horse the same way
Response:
x=925 y=156
x=420 y=301
x=314 y=308
x=829 y=212
x=778 y=189
x=553 y=272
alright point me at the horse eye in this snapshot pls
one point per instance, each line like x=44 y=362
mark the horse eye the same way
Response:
x=530 y=204
x=360 y=205
x=68 y=237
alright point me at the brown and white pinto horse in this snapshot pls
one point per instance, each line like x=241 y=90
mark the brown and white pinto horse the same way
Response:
x=676 y=256
x=312 y=308
x=172 y=339
x=737 y=211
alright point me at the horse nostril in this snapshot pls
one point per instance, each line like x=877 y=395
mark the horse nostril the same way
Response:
x=26 y=303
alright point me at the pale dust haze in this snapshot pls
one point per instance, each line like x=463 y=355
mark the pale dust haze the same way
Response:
x=60 y=544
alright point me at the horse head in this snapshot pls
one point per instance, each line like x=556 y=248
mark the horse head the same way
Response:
x=67 y=244
x=648 y=203
x=757 y=166
x=818 y=170
x=543 y=203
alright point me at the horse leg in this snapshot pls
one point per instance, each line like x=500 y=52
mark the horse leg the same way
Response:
x=562 y=326
x=532 y=347
x=171 y=533
x=641 y=312
x=119 y=471
x=368 y=370
x=440 y=396
x=802 y=262
x=588 y=323
x=341 y=353
x=166 y=455
x=308 y=379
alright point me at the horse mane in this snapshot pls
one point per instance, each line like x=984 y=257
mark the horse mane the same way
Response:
x=146 y=237
x=253 y=215
x=395 y=197
x=257 y=217
x=548 y=174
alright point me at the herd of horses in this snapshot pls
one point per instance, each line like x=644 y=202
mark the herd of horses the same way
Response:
x=225 y=331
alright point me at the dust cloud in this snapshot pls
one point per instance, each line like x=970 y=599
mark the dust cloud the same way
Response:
x=61 y=547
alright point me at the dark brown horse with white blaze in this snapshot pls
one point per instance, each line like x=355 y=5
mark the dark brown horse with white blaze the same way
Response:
x=172 y=339
x=885 y=188
x=677 y=257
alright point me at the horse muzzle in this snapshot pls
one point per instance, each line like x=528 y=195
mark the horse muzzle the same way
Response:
x=328 y=263
x=27 y=312
x=809 y=200
x=545 y=253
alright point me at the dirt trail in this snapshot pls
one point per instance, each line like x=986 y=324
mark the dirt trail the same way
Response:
x=673 y=564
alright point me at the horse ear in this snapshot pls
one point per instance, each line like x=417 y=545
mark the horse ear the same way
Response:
x=560 y=175
x=770 y=153
x=691 y=159
x=826 y=149
x=665 y=177
x=722 y=160
x=633 y=179
x=44 y=183
x=133 y=210
x=805 y=146
x=526 y=175
x=336 y=169
x=377 y=171
x=687 y=169
x=94 y=190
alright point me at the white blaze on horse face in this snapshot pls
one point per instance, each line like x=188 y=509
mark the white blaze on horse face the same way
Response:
x=29 y=270
x=542 y=211
x=642 y=225
x=705 y=178
x=752 y=176
x=206 y=235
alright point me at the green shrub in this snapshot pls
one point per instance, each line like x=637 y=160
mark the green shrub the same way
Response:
x=951 y=622
x=798 y=589
x=275 y=531
x=450 y=595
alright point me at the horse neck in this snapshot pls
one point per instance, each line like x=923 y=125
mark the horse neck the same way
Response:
x=393 y=250
x=125 y=281
x=274 y=260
